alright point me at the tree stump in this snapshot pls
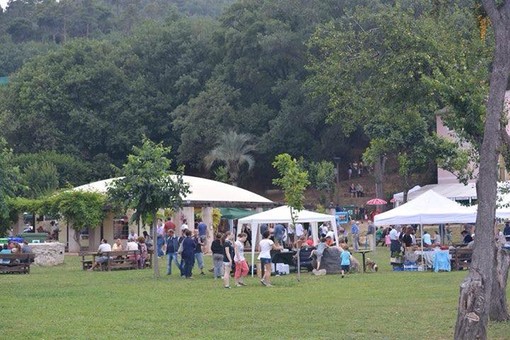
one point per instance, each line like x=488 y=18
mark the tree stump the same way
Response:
x=471 y=319
x=498 y=307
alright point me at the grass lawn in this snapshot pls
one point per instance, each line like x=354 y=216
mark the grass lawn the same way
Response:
x=65 y=302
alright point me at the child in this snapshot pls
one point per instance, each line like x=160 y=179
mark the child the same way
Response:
x=345 y=258
x=320 y=251
x=241 y=265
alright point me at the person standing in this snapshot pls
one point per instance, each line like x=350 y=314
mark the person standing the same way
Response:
x=199 y=255
x=217 y=251
x=202 y=230
x=188 y=254
x=345 y=259
x=169 y=225
x=279 y=233
x=265 y=247
x=371 y=235
x=506 y=231
x=172 y=245
x=300 y=231
x=355 y=235
x=228 y=254
x=240 y=261
x=160 y=241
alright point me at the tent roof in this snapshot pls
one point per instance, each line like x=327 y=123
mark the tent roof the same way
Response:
x=202 y=191
x=235 y=213
x=428 y=208
x=282 y=215
x=453 y=191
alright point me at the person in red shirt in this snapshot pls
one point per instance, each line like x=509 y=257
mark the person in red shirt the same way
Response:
x=169 y=225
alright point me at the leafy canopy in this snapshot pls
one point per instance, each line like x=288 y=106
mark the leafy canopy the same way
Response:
x=293 y=181
x=147 y=185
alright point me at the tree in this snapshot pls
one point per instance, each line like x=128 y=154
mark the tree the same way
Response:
x=234 y=150
x=41 y=179
x=293 y=181
x=323 y=179
x=148 y=185
x=475 y=290
x=81 y=209
x=371 y=65
x=9 y=177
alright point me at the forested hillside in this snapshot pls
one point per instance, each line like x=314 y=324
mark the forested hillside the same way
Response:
x=318 y=79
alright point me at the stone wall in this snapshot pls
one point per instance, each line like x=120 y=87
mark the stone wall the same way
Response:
x=48 y=254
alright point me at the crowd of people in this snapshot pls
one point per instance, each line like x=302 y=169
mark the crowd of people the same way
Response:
x=14 y=248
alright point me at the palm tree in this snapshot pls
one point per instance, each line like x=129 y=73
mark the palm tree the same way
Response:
x=234 y=150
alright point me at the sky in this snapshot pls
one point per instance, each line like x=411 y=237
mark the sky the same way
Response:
x=3 y=3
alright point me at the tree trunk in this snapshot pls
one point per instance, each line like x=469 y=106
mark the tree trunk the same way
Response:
x=498 y=307
x=475 y=290
x=379 y=165
x=155 y=259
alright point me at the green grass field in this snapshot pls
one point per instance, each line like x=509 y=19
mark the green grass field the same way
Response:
x=65 y=302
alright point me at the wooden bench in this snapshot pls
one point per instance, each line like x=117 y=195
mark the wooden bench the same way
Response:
x=461 y=258
x=126 y=259
x=17 y=263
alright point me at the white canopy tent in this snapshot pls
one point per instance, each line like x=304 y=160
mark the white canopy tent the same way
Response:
x=428 y=208
x=283 y=215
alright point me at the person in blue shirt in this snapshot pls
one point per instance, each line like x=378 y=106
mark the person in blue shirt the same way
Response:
x=279 y=233
x=355 y=235
x=202 y=230
x=345 y=259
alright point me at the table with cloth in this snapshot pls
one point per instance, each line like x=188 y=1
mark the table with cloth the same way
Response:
x=436 y=259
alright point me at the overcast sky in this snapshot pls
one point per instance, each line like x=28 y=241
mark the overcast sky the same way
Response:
x=3 y=3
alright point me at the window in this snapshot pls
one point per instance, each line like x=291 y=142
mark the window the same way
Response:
x=120 y=227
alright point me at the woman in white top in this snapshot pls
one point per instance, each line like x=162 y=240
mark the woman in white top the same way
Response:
x=265 y=247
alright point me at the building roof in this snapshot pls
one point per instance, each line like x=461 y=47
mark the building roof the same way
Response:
x=203 y=192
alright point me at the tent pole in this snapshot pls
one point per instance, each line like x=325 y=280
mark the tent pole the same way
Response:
x=422 y=253
x=254 y=231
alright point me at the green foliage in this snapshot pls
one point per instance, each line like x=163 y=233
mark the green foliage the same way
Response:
x=41 y=179
x=234 y=150
x=322 y=178
x=375 y=66
x=9 y=181
x=147 y=185
x=221 y=174
x=71 y=170
x=293 y=181
x=81 y=209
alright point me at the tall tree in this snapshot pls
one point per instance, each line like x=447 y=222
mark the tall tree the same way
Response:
x=234 y=150
x=9 y=177
x=475 y=290
x=149 y=185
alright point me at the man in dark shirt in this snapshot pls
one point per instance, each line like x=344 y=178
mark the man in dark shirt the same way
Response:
x=467 y=237
x=506 y=231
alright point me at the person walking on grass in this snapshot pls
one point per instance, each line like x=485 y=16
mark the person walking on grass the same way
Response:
x=265 y=247
x=199 y=255
x=188 y=254
x=217 y=251
x=228 y=255
x=240 y=261
x=345 y=259
x=172 y=245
